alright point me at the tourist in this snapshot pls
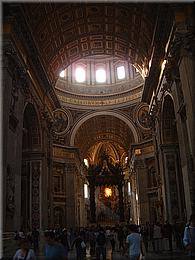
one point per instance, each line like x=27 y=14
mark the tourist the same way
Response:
x=24 y=253
x=80 y=246
x=112 y=239
x=53 y=249
x=101 y=244
x=167 y=231
x=92 y=241
x=35 y=239
x=63 y=239
x=134 y=242
x=121 y=238
x=189 y=237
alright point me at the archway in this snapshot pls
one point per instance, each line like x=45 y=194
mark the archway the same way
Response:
x=121 y=117
x=172 y=165
x=31 y=169
x=96 y=135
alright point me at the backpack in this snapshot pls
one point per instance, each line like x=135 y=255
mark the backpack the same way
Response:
x=101 y=239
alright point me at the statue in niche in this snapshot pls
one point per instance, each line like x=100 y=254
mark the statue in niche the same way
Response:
x=10 y=189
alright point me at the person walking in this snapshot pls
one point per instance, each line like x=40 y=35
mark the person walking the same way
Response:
x=101 y=244
x=35 y=239
x=63 y=239
x=167 y=231
x=189 y=237
x=134 y=242
x=80 y=246
x=53 y=249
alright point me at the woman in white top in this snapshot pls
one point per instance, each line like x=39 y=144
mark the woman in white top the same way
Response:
x=24 y=253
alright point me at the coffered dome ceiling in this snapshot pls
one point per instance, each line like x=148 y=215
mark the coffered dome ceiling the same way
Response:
x=121 y=83
x=64 y=32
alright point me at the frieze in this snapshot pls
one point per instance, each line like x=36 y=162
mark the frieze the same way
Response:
x=59 y=152
x=95 y=103
x=148 y=149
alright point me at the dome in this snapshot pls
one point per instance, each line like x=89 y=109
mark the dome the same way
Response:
x=99 y=81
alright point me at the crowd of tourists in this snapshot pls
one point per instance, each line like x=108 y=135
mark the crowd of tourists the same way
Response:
x=131 y=240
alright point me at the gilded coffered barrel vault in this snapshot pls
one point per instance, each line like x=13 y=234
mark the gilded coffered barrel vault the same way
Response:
x=80 y=30
x=98 y=115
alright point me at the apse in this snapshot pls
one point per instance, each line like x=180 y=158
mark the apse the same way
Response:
x=104 y=133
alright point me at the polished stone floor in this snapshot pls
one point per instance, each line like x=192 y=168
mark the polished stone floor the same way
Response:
x=165 y=255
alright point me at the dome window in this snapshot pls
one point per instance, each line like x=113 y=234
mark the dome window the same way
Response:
x=80 y=74
x=121 y=72
x=100 y=75
x=62 y=74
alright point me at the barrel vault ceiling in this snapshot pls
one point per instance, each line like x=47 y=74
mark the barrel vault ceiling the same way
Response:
x=66 y=32
x=101 y=132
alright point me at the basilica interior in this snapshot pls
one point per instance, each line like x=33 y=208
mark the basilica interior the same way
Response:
x=98 y=115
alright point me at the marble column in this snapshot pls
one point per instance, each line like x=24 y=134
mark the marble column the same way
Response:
x=70 y=195
x=141 y=177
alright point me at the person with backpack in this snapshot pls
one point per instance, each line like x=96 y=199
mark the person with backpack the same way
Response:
x=80 y=246
x=189 y=237
x=101 y=244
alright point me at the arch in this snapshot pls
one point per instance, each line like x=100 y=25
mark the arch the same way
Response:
x=117 y=115
x=31 y=128
x=174 y=186
x=168 y=125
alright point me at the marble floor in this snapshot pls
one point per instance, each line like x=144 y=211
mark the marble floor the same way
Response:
x=165 y=255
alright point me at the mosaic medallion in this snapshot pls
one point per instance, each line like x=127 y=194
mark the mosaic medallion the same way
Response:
x=61 y=121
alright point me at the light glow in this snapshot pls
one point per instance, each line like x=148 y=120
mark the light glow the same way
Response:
x=62 y=74
x=86 y=193
x=129 y=188
x=100 y=75
x=163 y=64
x=121 y=72
x=86 y=163
x=80 y=74
x=126 y=159
x=107 y=192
